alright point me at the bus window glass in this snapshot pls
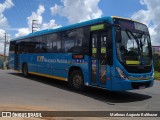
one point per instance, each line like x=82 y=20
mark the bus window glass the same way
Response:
x=49 y=47
x=12 y=48
x=69 y=45
x=78 y=42
x=54 y=46
x=59 y=46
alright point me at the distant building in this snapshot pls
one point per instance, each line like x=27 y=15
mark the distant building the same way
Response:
x=1 y=60
x=156 y=49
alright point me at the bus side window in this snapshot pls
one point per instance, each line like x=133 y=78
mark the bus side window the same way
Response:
x=78 y=42
x=12 y=47
x=49 y=47
x=54 y=46
x=72 y=40
x=55 y=42
x=59 y=46
x=17 y=49
x=69 y=45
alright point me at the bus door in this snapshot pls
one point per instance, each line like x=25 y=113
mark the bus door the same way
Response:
x=99 y=68
x=16 y=57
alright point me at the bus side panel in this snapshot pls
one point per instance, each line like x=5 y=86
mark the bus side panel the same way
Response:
x=83 y=64
x=11 y=61
x=58 y=65
x=45 y=67
x=109 y=79
x=54 y=64
x=30 y=60
x=61 y=65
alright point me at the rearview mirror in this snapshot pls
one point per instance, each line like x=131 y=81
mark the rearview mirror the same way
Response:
x=118 y=35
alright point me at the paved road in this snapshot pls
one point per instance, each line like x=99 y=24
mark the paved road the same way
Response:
x=39 y=93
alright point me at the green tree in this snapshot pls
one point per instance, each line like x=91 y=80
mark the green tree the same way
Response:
x=156 y=56
x=157 y=65
x=156 y=61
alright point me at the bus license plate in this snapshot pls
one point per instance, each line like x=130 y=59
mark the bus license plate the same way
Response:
x=142 y=87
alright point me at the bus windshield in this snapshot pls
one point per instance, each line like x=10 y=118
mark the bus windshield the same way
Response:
x=134 y=48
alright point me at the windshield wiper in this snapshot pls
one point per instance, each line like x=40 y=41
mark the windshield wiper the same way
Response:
x=140 y=45
x=135 y=38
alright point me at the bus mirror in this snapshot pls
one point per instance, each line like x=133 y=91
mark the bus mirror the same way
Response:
x=118 y=35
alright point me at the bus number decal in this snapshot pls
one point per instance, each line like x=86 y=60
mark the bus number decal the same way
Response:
x=94 y=50
x=103 y=50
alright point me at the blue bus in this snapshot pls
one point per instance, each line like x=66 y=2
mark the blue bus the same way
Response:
x=112 y=53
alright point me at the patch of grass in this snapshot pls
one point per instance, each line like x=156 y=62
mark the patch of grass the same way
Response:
x=156 y=75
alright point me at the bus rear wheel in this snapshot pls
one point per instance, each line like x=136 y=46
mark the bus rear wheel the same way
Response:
x=76 y=80
x=25 y=70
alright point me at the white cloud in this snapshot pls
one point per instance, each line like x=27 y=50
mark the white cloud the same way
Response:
x=1 y=41
x=34 y=16
x=6 y=5
x=150 y=16
x=1 y=35
x=37 y=16
x=3 y=6
x=50 y=25
x=143 y=16
x=56 y=9
x=4 y=22
x=78 y=10
x=2 y=49
x=22 y=32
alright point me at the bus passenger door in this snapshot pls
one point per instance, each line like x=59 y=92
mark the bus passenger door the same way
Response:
x=100 y=71
x=16 y=57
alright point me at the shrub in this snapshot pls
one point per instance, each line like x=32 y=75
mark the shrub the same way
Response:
x=156 y=61
x=157 y=65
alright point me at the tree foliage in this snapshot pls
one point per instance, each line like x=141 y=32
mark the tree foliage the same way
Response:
x=156 y=62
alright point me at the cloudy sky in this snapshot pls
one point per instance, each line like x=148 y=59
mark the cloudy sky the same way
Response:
x=16 y=15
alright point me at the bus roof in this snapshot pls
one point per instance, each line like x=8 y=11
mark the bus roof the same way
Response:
x=73 y=26
x=127 y=19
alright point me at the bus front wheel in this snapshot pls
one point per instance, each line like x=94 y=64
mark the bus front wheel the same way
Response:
x=25 y=70
x=76 y=80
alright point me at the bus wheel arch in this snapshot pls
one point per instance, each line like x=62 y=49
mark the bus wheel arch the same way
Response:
x=25 y=69
x=76 y=78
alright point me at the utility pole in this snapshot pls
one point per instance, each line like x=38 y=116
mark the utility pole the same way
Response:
x=5 y=44
x=5 y=40
x=34 y=25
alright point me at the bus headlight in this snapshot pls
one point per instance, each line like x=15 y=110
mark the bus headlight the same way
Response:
x=121 y=73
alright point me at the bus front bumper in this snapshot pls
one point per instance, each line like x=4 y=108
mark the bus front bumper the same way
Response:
x=122 y=85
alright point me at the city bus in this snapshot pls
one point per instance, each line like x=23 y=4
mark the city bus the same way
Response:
x=111 y=53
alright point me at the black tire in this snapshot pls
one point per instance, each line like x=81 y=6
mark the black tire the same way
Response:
x=76 y=80
x=25 y=70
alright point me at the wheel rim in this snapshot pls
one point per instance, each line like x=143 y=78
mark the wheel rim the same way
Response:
x=77 y=81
